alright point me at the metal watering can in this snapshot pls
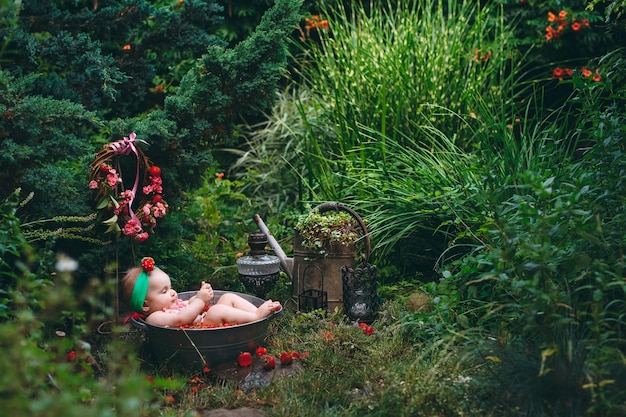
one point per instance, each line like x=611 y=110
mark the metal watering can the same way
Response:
x=317 y=278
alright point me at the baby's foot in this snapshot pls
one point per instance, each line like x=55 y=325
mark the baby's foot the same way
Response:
x=268 y=308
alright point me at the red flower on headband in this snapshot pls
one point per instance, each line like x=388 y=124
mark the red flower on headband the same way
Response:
x=147 y=264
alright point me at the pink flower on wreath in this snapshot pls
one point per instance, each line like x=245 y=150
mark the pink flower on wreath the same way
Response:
x=127 y=195
x=113 y=178
x=148 y=189
x=131 y=228
x=141 y=237
x=93 y=185
x=122 y=208
x=160 y=210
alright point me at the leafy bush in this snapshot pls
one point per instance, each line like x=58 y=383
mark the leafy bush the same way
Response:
x=542 y=294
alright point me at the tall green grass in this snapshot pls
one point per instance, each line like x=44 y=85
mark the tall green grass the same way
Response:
x=394 y=71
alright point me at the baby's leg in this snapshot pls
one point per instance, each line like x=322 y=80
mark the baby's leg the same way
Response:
x=224 y=313
x=236 y=301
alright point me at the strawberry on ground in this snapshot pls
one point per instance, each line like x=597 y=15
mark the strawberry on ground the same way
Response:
x=269 y=362
x=260 y=351
x=285 y=358
x=244 y=359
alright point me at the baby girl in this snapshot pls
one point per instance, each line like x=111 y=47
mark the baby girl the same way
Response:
x=148 y=290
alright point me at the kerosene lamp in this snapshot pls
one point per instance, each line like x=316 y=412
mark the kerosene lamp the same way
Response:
x=258 y=271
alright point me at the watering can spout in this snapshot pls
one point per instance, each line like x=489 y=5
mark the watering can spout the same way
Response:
x=286 y=262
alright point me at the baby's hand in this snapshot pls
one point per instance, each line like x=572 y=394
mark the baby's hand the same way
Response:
x=205 y=293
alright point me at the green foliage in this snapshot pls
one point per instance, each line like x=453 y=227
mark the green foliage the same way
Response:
x=272 y=149
x=545 y=282
x=12 y=245
x=67 y=66
x=392 y=71
x=240 y=81
x=216 y=220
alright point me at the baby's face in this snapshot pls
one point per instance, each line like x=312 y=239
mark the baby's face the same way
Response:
x=160 y=292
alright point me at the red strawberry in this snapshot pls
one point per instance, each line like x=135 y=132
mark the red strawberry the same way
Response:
x=260 y=351
x=285 y=358
x=244 y=359
x=269 y=362
x=369 y=330
x=362 y=325
x=294 y=354
x=155 y=171
x=305 y=355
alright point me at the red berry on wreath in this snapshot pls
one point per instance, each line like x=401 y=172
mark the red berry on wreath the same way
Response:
x=155 y=171
x=157 y=198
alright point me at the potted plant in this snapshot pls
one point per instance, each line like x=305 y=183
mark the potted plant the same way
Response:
x=325 y=232
x=326 y=238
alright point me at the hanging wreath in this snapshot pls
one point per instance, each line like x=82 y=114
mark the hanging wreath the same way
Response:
x=114 y=202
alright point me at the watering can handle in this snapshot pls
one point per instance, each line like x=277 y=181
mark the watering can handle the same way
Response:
x=287 y=263
x=333 y=205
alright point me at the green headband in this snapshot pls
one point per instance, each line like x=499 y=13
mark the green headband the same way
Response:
x=140 y=290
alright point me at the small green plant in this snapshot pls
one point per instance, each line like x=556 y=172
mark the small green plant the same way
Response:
x=322 y=231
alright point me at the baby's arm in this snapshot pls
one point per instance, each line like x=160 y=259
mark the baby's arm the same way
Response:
x=185 y=316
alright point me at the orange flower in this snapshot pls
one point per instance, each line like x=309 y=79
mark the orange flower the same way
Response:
x=219 y=175
x=557 y=72
x=585 y=23
x=316 y=22
x=576 y=26
x=597 y=78
x=562 y=14
x=568 y=71
x=586 y=72
x=551 y=17
x=126 y=47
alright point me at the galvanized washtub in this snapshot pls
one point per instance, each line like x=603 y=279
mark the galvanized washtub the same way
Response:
x=195 y=347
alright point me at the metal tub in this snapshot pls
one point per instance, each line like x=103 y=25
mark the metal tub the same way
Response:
x=196 y=346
